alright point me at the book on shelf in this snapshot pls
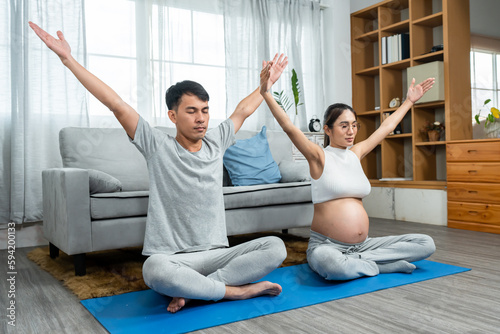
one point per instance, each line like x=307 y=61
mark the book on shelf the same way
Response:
x=395 y=48
x=384 y=50
x=405 y=46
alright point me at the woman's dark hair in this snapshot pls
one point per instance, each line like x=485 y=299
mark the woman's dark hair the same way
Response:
x=331 y=114
x=175 y=92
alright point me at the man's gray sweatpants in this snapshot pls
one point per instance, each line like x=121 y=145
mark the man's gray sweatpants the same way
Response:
x=204 y=275
x=335 y=260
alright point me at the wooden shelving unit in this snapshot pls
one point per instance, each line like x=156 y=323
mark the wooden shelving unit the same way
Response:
x=407 y=156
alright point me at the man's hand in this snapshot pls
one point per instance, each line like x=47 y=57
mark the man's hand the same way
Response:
x=416 y=92
x=264 y=78
x=59 y=46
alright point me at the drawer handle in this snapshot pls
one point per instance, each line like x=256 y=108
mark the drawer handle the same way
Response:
x=472 y=192
x=473 y=172
x=471 y=151
x=473 y=213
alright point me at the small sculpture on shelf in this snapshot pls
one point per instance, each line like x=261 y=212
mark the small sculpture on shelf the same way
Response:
x=431 y=131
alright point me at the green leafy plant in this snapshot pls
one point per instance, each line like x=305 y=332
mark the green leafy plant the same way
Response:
x=283 y=100
x=490 y=118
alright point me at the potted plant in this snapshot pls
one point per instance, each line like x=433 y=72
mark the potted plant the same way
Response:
x=491 y=123
x=432 y=130
x=282 y=99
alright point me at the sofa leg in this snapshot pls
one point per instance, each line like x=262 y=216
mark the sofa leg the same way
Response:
x=80 y=269
x=284 y=231
x=53 y=251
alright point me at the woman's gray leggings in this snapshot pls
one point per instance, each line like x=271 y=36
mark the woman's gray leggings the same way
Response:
x=335 y=260
x=204 y=275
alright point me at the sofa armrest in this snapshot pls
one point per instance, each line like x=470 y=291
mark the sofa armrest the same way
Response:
x=66 y=209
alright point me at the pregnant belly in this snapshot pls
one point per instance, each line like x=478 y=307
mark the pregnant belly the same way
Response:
x=342 y=219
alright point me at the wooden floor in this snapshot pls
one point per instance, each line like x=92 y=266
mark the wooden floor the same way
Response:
x=463 y=303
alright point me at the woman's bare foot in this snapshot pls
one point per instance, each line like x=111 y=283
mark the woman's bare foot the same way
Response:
x=176 y=304
x=252 y=290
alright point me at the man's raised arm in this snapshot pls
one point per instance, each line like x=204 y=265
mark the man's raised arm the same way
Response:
x=125 y=114
x=249 y=104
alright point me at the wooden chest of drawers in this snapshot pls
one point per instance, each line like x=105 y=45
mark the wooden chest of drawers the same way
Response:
x=473 y=173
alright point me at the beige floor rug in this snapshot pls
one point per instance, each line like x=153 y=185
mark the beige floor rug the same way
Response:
x=120 y=271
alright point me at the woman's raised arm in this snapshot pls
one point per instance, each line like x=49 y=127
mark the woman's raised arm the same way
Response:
x=413 y=95
x=311 y=151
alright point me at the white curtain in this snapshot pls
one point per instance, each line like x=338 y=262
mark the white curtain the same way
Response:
x=153 y=45
x=257 y=29
x=38 y=97
x=185 y=43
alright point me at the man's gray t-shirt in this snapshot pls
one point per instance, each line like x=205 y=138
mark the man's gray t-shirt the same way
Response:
x=186 y=203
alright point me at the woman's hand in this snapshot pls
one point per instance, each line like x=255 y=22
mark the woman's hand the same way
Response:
x=416 y=92
x=277 y=67
x=271 y=72
x=59 y=46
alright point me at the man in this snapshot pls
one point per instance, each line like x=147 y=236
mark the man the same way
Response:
x=185 y=238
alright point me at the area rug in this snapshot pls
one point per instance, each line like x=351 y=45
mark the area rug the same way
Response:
x=146 y=311
x=120 y=271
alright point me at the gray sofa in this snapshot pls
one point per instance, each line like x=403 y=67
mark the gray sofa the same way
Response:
x=78 y=222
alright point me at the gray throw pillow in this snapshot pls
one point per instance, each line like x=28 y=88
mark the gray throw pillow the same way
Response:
x=100 y=182
x=294 y=171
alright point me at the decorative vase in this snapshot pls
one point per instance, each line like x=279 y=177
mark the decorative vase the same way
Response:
x=433 y=135
x=296 y=121
x=493 y=130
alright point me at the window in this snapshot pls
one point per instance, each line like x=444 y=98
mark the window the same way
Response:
x=485 y=78
x=140 y=52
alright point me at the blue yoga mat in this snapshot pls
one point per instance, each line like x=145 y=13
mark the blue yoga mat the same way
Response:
x=146 y=311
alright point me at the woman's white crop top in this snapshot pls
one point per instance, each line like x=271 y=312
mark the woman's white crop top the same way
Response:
x=342 y=177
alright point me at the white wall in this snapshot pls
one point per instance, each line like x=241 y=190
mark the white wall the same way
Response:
x=416 y=205
x=361 y=4
x=484 y=17
x=337 y=52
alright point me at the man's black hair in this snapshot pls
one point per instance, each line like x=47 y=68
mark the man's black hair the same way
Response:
x=175 y=92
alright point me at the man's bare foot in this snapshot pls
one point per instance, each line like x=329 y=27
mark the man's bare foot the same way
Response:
x=176 y=304
x=252 y=290
x=235 y=293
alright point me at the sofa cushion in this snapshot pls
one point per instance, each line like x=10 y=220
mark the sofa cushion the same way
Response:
x=107 y=150
x=266 y=195
x=120 y=204
x=294 y=171
x=100 y=182
x=249 y=161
